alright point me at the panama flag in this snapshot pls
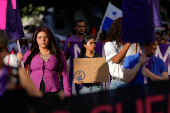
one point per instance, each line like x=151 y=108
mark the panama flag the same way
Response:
x=112 y=13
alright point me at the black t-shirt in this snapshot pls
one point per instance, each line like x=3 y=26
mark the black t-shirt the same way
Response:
x=95 y=55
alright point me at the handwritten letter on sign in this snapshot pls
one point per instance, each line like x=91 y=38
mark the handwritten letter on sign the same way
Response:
x=89 y=70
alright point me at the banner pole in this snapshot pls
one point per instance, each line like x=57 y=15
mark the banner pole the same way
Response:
x=100 y=30
x=135 y=48
x=19 y=49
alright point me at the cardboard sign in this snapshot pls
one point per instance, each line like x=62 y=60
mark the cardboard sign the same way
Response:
x=89 y=70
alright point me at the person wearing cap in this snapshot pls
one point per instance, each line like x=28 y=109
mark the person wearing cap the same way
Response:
x=165 y=36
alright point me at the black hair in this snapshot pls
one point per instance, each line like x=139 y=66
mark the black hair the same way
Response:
x=162 y=39
x=85 y=40
x=75 y=24
x=115 y=32
x=145 y=44
x=157 y=33
x=164 y=31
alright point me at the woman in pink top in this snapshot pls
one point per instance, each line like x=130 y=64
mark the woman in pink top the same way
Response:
x=45 y=62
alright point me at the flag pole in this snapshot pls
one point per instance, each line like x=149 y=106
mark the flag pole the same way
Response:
x=19 y=49
x=145 y=78
x=100 y=30
x=135 y=48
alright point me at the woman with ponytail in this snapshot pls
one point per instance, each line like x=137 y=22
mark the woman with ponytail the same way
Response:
x=87 y=52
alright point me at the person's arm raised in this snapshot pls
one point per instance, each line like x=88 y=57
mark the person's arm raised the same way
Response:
x=118 y=57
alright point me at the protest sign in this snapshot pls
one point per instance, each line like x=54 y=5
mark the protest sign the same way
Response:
x=89 y=70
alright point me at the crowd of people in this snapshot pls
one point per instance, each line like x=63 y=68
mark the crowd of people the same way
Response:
x=163 y=37
x=46 y=67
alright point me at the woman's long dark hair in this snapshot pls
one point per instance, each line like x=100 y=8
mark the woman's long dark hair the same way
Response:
x=85 y=40
x=115 y=32
x=52 y=46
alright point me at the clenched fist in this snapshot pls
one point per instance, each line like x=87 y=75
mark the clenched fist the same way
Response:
x=20 y=56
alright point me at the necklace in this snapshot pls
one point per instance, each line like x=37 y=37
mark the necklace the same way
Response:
x=45 y=57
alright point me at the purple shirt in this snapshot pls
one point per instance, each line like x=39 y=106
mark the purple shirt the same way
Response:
x=50 y=72
x=71 y=39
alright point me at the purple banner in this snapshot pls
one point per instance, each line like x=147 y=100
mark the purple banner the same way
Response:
x=163 y=52
x=138 y=20
x=14 y=27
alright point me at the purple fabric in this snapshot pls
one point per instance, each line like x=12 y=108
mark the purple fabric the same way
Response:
x=164 y=53
x=149 y=62
x=157 y=17
x=72 y=39
x=50 y=71
x=3 y=81
x=138 y=21
x=14 y=27
x=11 y=22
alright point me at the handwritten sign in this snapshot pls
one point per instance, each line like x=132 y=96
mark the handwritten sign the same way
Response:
x=89 y=70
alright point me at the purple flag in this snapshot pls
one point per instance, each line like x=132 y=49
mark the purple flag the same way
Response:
x=157 y=17
x=14 y=28
x=11 y=22
x=139 y=20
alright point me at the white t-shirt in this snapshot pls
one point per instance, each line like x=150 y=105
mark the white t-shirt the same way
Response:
x=110 y=51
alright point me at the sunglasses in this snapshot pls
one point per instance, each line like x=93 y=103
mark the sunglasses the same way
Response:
x=164 y=34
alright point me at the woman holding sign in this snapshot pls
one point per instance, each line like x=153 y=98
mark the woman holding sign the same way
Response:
x=87 y=52
x=45 y=60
